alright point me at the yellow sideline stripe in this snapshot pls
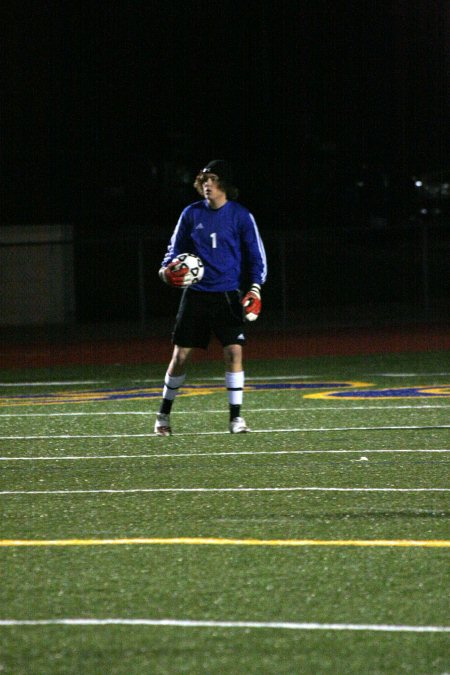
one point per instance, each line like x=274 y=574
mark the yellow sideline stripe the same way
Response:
x=201 y=541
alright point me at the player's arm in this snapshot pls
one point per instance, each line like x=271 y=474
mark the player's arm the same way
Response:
x=257 y=262
x=170 y=273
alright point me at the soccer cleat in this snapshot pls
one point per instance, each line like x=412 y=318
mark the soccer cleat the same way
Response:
x=238 y=426
x=162 y=425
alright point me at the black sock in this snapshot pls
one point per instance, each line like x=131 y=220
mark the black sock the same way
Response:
x=235 y=411
x=166 y=406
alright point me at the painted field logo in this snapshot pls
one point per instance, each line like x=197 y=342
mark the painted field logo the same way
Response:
x=345 y=391
x=401 y=392
x=140 y=393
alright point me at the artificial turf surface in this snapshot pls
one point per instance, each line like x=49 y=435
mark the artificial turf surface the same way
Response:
x=332 y=470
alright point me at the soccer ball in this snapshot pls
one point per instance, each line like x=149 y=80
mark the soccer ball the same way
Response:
x=194 y=265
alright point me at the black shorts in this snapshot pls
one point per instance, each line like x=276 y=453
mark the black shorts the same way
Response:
x=203 y=313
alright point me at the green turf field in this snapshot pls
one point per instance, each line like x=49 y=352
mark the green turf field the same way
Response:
x=316 y=544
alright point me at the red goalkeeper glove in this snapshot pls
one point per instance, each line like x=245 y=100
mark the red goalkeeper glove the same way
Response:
x=174 y=274
x=252 y=303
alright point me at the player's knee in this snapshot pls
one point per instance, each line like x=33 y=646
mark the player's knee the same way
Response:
x=179 y=357
x=233 y=357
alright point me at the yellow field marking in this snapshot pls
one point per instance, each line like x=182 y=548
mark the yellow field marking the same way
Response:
x=210 y=541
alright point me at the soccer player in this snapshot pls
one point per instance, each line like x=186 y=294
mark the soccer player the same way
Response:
x=224 y=234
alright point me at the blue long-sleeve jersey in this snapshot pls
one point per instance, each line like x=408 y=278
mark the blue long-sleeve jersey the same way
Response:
x=226 y=239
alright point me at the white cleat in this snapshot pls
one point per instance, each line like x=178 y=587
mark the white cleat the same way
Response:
x=238 y=426
x=162 y=425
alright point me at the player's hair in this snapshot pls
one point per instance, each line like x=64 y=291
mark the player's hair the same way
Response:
x=230 y=190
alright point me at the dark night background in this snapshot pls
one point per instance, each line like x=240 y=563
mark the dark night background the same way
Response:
x=329 y=112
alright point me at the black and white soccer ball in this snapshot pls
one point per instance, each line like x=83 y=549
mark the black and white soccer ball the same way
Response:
x=195 y=267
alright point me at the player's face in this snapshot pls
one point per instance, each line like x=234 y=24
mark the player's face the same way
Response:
x=211 y=189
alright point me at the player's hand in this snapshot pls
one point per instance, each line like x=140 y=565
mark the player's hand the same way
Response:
x=174 y=274
x=252 y=303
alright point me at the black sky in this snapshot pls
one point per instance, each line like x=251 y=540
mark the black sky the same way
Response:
x=98 y=91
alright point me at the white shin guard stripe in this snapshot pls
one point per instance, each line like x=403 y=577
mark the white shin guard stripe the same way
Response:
x=235 y=387
x=171 y=385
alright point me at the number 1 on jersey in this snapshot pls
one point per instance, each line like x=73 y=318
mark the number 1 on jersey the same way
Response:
x=213 y=236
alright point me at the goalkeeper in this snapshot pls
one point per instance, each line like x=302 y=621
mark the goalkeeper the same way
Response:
x=224 y=234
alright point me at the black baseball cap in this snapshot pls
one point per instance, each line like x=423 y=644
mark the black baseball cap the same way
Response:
x=220 y=167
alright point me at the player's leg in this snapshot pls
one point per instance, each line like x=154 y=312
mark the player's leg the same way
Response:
x=234 y=381
x=174 y=378
x=177 y=365
x=190 y=331
x=230 y=331
x=233 y=358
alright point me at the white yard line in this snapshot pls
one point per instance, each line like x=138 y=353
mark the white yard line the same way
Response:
x=224 y=489
x=193 y=455
x=219 y=433
x=192 y=623
x=51 y=384
x=385 y=408
x=159 y=380
x=444 y=374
